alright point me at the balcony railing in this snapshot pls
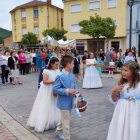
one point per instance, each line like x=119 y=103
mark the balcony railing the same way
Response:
x=138 y=24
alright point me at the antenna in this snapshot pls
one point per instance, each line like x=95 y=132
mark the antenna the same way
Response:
x=41 y=7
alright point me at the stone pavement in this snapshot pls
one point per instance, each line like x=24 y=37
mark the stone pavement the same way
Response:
x=5 y=134
x=93 y=125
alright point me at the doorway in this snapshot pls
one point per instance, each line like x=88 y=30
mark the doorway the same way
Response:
x=115 y=45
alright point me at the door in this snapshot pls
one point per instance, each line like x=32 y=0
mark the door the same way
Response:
x=115 y=45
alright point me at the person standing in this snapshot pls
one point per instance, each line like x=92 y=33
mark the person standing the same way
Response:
x=13 y=68
x=28 y=62
x=64 y=87
x=43 y=56
x=92 y=78
x=126 y=53
x=2 y=65
x=102 y=55
x=129 y=57
x=6 y=56
x=22 y=61
x=114 y=55
x=38 y=61
x=111 y=68
x=84 y=61
x=125 y=123
x=45 y=115
x=49 y=54
x=108 y=55
x=33 y=61
x=76 y=67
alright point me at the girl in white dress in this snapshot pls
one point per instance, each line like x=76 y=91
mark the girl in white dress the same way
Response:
x=125 y=124
x=45 y=115
x=92 y=78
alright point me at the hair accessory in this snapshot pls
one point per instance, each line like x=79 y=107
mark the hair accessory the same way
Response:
x=49 y=61
x=134 y=67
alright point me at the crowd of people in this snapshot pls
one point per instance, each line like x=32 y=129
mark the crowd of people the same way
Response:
x=24 y=62
x=60 y=71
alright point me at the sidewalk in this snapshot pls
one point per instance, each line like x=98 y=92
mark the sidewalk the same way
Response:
x=12 y=130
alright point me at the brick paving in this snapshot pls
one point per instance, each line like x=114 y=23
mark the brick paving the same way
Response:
x=93 y=125
x=5 y=134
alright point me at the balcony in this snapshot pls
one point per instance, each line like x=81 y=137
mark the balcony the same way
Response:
x=138 y=25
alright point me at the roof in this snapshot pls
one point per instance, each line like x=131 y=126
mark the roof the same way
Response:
x=33 y=3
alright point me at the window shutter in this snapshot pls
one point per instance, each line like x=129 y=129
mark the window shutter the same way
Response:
x=75 y=8
x=112 y=3
x=75 y=28
x=94 y=5
x=23 y=14
x=24 y=31
x=36 y=30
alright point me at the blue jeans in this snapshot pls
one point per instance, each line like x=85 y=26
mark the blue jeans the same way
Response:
x=3 y=73
x=44 y=64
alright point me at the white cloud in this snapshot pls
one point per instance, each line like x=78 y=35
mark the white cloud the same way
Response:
x=7 y=5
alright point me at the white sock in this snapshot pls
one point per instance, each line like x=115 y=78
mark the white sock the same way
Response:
x=109 y=74
x=112 y=74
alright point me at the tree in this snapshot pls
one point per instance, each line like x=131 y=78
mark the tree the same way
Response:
x=29 y=39
x=55 y=33
x=97 y=27
x=6 y=48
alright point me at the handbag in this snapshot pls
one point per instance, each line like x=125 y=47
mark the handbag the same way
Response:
x=0 y=70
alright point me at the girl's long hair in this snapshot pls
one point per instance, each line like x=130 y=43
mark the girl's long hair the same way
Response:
x=52 y=61
x=134 y=68
x=90 y=54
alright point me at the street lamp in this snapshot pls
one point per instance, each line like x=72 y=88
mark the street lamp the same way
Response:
x=130 y=4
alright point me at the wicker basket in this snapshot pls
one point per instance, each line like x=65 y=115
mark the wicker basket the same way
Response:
x=81 y=105
x=54 y=94
x=99 y=65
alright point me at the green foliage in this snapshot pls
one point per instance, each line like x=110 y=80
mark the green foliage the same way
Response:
x=97 y=27
x=29 y=39
x=55 y=33
x=6 y=48
x=4 y=32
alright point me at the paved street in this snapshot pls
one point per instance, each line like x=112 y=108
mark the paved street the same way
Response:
x=93 y=125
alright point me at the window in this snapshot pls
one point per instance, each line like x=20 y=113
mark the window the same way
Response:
x=94 y=5
x=15 y=32
x=57 y=16
x=47 y=12
x=75 y=8
x=61 y=21
x=35 y=13
x=112 y=3
x=14 y=16
x=75 y=28
x=36 y=29
x=24 y=31
x=115 y=21
x=23 y=14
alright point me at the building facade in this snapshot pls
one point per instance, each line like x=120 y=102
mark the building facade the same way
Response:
x=78 y=10
x=35 y=17
x=135 y=27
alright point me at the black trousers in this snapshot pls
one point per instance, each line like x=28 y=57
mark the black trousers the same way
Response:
x=6 y=75
x=22 y=68
x=27 y=68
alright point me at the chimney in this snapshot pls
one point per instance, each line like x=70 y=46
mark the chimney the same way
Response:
x=49 y=1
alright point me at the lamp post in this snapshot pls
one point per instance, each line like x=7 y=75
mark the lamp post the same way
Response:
x=130 y=4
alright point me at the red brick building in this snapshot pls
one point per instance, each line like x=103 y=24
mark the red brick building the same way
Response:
x=8 y=42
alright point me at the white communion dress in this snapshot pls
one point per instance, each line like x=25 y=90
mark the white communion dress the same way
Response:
x=125 y=124
x=45 y=115
x=92 y=78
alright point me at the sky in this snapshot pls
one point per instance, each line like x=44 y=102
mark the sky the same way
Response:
x=8 y=5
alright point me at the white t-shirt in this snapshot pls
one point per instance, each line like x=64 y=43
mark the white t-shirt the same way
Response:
x=111 y=63
x=6 y=58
